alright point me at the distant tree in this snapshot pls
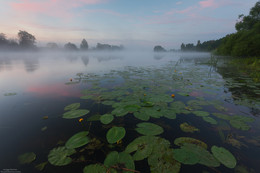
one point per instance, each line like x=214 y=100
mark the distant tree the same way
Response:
x=158 y=48
x=103 y=46
x=52 y=45
x=26 y=40
x=70 y=46
x=3 y=40
x=198 y=46
x=84 y=45
x=247 y=22
x=13 y=44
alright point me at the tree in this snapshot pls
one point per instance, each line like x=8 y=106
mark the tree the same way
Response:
x=70 y=46
x=247 y=22
x=3 y=40
x=52 y=45
x=183 y=47
x=84 y=45
x=26 y=40
x=158 y=48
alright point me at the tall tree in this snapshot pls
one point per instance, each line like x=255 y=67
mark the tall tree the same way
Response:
x=70 y=46
x=26 y=40
x=84 y=45
x=247 y=22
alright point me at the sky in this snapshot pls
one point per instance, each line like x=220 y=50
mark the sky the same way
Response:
x=132 y=23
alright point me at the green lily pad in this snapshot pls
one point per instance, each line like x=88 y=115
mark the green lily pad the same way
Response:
x=75 y=113
x=149 y=129
x=210 y=120
x=115 y=159
x=87 y=97
x=184 y=140
x=169 y=113
x=59 y=156
x=142 y=116
x=115 y=134
x=78 y=140
x=26 y=158
x=41 y=166
x=10 y=94
x=185 y=156
x=94 y=168
x=119 y=112
x=188 y=128
x=132 y=108
x=239 y=125
x=72 y=106
x=106 y=118
x=222 y=116
x=201 y=113
x=94 y=118
x=224 y=156
x=143 y=146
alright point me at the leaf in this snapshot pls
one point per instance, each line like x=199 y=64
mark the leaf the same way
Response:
x=72 y=106
x=59 y=156
x=169 y=113
x=183 y=140
x=41 y=166
x=94 y=168
x=149 y=129
x=94 y=118
x=115 y=134
x=106 y=118
x=239 y=125
x=26 y=158
x=142 y=116
x=132 y=108
x=224 y=156
x=111 y=159
x=188 y=128
x=185 y=156
x=143 y=146
x=201 y=113
x=75 y=113
x=78 y=140
x=119 y=112
x=210 y=120
x=116 y=159
x=10 y=94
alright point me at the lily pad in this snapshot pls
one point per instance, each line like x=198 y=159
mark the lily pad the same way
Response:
x=41 y=166
x=132 y=108
x=184 y=140
x=75 y=113
x=10 y=94
x=188 y=128
x=72 y=106
x=94 y=118
x=116 y=159
x=185 y=156
x=149 y=129
x=239 y=125
x=26 y=158
x=119 y=112
x=224 y=156
x=142 y=116
x=94 y=168
x=60 y=156
x=210 y=120
x=115 y=134
x=106 y=118
x=78 y=140
x=142 y=145
x=201 y=113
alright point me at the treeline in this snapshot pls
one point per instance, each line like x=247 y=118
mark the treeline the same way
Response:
x=27 y=41
x=244 y=43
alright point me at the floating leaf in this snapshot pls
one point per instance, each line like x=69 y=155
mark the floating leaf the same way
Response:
x=224 y=156
x=94 y=168
x=106 y=118
x=115 y=134
x=116 y=159
x=78 y=140
x=188 y=128
x=72 y=106
x=111 y=159
x=59 y=156
x=142 y=116
x=210 y=120
x=142 y=145
x=201 y=113
x=149 y=129
x=119 y=112
x=183 y=140
x=222 y=116
x=26 y=158
x=94 y=118
x=41 y=166
x=168 y=113
x=87 y=97
x=10 y=94
x=185 y=156
x=75 y=113
x=132 y=108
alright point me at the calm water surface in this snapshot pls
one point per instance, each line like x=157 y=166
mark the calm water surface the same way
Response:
x=41 y=86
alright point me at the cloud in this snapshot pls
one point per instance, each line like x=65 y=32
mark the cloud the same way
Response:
x=179 y=2
x=208 y=3
x=56 y=8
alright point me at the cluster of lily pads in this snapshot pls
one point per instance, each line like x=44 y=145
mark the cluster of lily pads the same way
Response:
x=147 y=94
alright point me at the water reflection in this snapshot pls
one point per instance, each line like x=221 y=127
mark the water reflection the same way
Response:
x=102 y=58
x=158 y=56
x=85 y=60
x=5 y=63
x=31 y=63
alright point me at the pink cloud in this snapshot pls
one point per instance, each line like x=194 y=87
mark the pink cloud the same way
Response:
x=57 y=8
x=208 y=3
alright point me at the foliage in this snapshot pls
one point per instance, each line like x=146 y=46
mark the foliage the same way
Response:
x=26 y=40
x=84 y=45
x=224 y=156
x=159 y=49
x=70 y=47
x=26 y=158
x=60 y=156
